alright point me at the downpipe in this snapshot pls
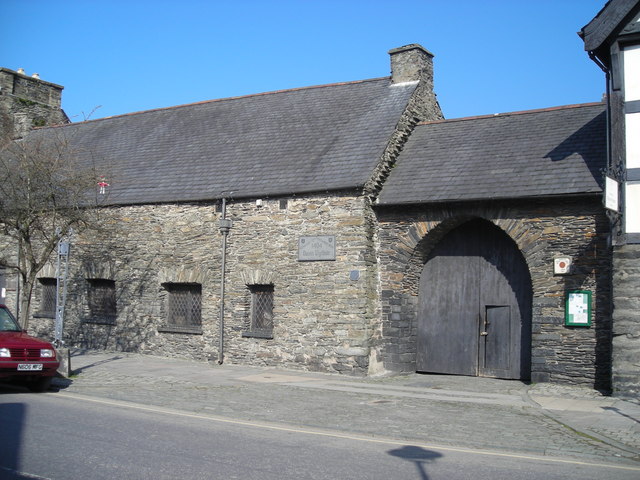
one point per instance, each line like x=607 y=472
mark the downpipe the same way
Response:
x=225 y=226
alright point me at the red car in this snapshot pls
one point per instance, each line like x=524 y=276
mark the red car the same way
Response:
x=24 y=359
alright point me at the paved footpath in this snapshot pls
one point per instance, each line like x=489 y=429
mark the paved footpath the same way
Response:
x=436 y=410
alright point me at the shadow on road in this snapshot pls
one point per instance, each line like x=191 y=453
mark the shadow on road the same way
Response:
x=418 y=455
x=12 y=418
x=617 y=410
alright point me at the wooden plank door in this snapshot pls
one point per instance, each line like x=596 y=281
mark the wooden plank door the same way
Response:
x=505 y=308
x=495 y=349
x=448 y=325
x=474 y=308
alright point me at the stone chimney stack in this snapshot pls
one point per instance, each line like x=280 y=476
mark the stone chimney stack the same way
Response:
x=30 y=88
x=411 y=63
x=27 y=102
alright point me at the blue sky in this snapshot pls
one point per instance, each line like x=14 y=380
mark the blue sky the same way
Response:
x=120 y=56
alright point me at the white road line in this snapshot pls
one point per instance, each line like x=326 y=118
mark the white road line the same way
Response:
x=333 y=434
x=23 y=474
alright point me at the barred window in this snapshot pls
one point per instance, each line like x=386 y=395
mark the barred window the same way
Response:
x=261 y=312
x=102 y=300
x=184 y=305
x=47 y=298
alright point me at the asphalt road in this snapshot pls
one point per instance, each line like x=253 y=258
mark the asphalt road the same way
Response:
x=71 y=437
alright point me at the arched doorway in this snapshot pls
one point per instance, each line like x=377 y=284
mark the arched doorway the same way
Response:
x=474 y=314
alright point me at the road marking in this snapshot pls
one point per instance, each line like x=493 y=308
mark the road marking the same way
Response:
x=23 y=474
x=333 y=434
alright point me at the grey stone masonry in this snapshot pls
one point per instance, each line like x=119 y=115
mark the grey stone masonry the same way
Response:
x=626 y=321
x=322 y=310
x=29 y=102
x=410 y=63
x=542 y=230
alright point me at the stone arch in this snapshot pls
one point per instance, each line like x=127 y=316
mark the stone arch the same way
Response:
x=257 y=277
x=424 y=235
x=182 y=274
x=475 y=279
x=408 y=252
x=427 y=234
x=48 y=271
x=94 y=269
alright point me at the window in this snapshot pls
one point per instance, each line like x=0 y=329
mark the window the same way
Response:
x=184 y=303
x=261 y=312
x=102 y=301
x=47 y=298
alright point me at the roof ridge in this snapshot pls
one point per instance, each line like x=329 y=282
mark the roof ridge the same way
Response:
x=215 y=100
x=518 y=112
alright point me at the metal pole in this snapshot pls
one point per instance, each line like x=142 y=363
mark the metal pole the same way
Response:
x=19 y=282
x=225 y=226
x=61 y=289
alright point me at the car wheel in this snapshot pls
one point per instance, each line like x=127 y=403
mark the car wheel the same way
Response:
x=39 y=385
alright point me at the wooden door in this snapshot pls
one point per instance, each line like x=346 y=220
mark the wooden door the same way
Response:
x=475 y=305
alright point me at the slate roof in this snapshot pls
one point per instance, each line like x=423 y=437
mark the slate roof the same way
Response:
x=292 y=141
x=613 y=16
x=556 y=151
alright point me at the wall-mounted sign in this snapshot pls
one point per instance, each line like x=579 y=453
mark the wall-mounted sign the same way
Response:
x=578 y=309
x=317 y=248
x=562 y=265
x=611 y=194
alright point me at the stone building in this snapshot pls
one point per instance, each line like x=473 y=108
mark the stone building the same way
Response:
x=612 y=39
x=290 y=170
x=335 y=227
x=474 y=221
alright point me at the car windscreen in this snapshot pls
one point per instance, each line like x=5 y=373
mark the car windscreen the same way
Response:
x=7 y=322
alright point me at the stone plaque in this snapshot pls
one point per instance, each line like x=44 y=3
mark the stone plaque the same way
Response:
x=317 y=248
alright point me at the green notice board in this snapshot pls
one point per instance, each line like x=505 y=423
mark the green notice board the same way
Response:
x=577 y=311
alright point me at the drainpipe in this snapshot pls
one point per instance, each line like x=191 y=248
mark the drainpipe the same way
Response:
x=612 y=169
x=607 y=74
x=224 y=225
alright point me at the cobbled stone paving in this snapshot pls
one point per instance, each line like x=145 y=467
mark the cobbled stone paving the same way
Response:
x=386 y=408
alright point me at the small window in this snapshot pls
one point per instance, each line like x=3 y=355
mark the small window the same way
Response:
x=184 y=305
x=102 y=301
x=47 y=298
x=261 y=312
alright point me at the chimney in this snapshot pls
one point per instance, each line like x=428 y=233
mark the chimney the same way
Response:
x=409 y=63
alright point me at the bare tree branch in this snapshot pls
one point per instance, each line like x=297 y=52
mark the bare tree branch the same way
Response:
x=48 y=187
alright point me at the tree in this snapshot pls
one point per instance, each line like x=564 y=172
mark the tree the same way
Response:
x=48 y=187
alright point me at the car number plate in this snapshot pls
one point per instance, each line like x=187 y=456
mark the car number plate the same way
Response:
x=29 y=367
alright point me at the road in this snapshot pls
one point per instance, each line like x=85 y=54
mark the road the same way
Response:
x=69 y=437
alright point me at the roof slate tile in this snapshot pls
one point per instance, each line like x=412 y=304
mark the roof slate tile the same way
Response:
x=309 y=139
x=556 y=151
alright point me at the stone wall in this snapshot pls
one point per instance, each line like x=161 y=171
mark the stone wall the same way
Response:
x=542 y=230
x=330 y=315
x=323 y=310
x=28 y=102
x=423 y=106
x=626 y=321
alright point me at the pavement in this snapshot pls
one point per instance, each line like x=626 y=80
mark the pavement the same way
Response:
x=480 y=414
